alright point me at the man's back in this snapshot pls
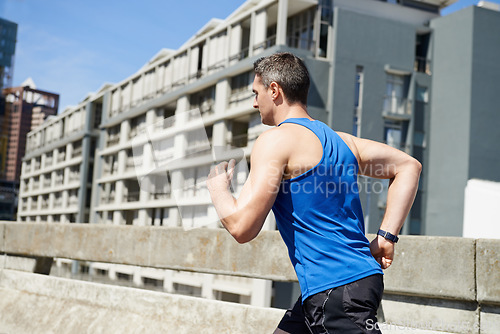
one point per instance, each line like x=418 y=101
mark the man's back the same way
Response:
x=319 y=215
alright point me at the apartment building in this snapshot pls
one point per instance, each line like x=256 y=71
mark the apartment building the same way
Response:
x=142 y=148
x=25 y=107
x=57 y=168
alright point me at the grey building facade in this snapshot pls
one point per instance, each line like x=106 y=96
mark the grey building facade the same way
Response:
x=465 y=104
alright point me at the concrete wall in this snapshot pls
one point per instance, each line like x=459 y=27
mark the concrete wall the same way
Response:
x=435 y=283
x=484 y=159
x=32 y=303
x=450 y=105
x=358 y=42
x=465 y=113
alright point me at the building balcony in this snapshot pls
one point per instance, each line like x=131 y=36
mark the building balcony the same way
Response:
x=132 y=196
x=239 y=141
x=398 y=109
x=269 y=42
x=113 y=140
x=108 y=199
x=422 y=65
x=61 y=157
x=242 y=54
x=166 y=123
x=418 y=293
x=77 y=152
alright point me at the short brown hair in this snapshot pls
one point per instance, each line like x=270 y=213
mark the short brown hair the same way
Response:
x=288 y=71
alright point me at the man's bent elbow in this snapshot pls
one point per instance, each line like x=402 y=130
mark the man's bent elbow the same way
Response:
x=417 y=165
x=243 y=233
x=243 y=236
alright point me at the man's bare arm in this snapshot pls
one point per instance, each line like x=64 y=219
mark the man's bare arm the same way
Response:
x=244 y=217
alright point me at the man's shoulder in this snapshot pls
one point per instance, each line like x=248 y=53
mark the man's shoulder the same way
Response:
x=276 y=134
x=277 y=140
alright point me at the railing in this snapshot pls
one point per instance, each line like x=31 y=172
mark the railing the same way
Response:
x=58 y=203
x=239 y=140
x=77 y=152
x=240 y=55
x=61 y=157
x=435 y=283
x=422 y=65
x=397 y=107
x=113 y=140
x=132 y=196
x=270 y=41
x=301 y=43
x=108 y=199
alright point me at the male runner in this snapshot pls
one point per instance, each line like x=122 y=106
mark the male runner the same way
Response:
x=307 y=174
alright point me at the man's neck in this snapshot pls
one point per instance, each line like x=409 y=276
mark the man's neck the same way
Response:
x=292 y=111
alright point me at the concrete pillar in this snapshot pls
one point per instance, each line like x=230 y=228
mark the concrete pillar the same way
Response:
x=252 y=34
x=222 y=91
x=235 y=36
x=260 y=31
x=43 y=160
x=168 y=284
x=118 y=218
x=52 y=198
x=206 y=287
x=282 y=22
x=261 y=293
x=95 y=200
x=84 y=166
x=137 y=277
x=124 y=131
x=65 y=198
x=69 y=151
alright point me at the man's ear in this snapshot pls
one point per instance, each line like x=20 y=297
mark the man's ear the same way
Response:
x=275 y=90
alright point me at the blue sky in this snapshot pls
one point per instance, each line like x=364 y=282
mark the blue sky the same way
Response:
x=74 y=47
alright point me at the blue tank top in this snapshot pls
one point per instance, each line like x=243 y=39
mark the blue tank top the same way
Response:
x=319 y=216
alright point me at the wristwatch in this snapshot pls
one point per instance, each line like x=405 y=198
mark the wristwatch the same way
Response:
x=388 y=236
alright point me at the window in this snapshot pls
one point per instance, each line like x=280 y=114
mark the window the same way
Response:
x=358 y=94
x=422 y=63
x=395 y=133
x=395 y=101
x=326 y=16
x=241 y=83
x=300 y=28
x=204 y=100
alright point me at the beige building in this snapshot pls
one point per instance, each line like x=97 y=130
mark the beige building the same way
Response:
x=104 y=161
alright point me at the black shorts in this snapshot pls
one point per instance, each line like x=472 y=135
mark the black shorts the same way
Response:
x=347 y=309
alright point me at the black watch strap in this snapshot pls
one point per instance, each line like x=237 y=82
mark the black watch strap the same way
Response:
x=388 y=236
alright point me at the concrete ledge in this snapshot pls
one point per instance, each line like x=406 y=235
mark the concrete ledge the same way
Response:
x=34 y=303
x=435 y=314
x=200 y=250
x=488 y=271
x=441 y=267
x=431 y=284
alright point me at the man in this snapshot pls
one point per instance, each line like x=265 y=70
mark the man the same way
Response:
x=307 y=174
